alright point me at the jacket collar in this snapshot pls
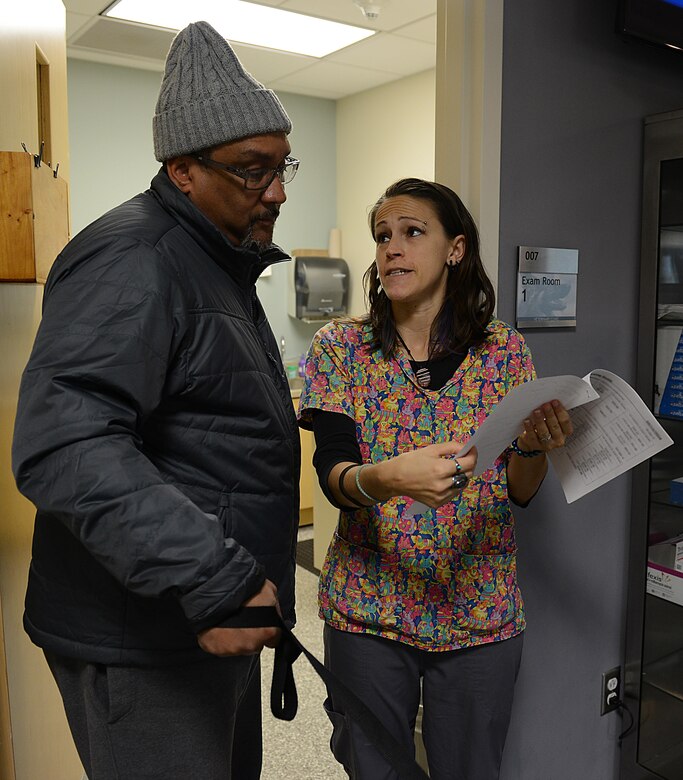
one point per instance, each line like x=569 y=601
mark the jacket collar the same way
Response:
x=244 y=264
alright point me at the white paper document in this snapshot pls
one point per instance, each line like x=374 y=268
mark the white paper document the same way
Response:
x=505 y=422
x=611 y=435
x=613 y=428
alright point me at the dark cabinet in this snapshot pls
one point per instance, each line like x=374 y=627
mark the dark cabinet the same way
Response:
x=653 y=691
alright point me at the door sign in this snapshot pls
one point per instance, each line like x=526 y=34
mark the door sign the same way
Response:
x=546 y=287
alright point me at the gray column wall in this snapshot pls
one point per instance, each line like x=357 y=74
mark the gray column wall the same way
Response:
x=574 y=97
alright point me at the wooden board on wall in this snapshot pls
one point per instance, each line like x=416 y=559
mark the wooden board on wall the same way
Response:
x=34 y=224
x=16 y=228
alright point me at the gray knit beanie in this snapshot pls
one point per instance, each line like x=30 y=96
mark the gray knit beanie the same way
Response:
x=207 y=98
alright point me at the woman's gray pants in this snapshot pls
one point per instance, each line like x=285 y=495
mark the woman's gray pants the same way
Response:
x=466 y=694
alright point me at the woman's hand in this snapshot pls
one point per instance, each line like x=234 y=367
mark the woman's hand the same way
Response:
x=546 y=428
x=425 y=474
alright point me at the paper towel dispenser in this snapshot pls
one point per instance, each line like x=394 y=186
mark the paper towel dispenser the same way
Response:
x=319 y=288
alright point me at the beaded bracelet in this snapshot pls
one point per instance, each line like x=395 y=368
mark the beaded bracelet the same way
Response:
x=360 y=488
x=514 y=446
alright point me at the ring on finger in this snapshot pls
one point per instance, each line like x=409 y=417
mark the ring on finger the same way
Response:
x=545 y=438
x=460 y=479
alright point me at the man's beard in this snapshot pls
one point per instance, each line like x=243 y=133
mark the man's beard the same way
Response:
x=255 y=242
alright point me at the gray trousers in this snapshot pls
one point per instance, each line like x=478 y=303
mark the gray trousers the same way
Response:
x=466 y=694
x=200 y=720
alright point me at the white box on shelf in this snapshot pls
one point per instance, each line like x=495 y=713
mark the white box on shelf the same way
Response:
x=667 y=553
x=665 y=583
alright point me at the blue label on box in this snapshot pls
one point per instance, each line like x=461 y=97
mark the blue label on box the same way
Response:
x=676 y=491
x=672 y=398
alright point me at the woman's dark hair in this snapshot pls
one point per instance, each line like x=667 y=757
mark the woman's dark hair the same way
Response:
x=466 y=311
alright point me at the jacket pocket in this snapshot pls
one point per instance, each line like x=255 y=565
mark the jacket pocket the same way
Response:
x=224 y=513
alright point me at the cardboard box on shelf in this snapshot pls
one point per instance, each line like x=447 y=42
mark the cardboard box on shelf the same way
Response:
x=665 y=569
x=665 y=583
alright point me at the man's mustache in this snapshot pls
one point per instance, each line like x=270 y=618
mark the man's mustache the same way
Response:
x=271 y=213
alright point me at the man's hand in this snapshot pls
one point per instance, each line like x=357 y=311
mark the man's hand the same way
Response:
x=244 y=641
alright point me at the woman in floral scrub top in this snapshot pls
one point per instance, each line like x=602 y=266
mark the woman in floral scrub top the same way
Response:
x=419 y=586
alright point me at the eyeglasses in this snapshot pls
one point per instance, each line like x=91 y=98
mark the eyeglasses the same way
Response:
x=256 y=178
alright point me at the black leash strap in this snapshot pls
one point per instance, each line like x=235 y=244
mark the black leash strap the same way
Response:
x=284 y=700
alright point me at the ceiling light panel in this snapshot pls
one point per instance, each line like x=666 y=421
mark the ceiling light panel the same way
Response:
x=258 y=25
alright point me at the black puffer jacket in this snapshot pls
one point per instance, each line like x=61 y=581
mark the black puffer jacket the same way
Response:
x=156 y=436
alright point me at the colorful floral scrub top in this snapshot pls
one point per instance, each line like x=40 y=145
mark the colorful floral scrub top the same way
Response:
x=446 y=578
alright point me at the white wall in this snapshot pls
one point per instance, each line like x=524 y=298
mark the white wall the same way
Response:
x=383 y=134
x=110 y=136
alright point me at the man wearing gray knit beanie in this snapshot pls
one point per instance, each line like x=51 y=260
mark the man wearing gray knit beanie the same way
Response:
x=156 y=436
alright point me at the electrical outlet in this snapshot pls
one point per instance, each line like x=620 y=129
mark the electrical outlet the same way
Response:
x=611 y=690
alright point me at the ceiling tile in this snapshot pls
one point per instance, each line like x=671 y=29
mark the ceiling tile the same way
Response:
x=122 y=38
x=386 y=52
x=268 y=64
x=424 y=30
x=396 y=14
x=337 y=77
x=324 y=92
